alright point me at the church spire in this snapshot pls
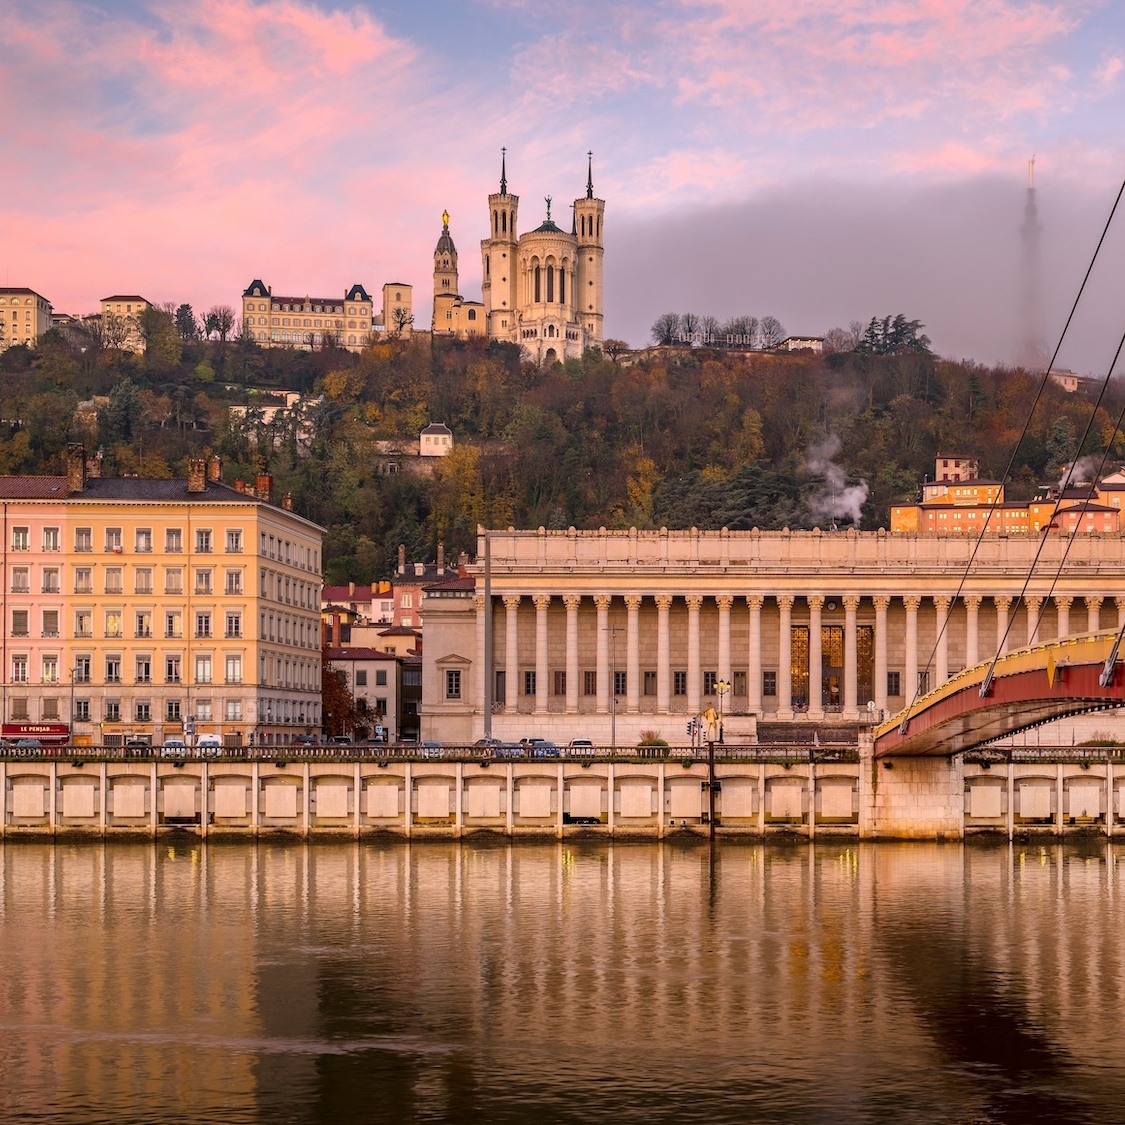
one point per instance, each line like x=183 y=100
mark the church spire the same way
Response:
x=590 y=175
x=503 y=171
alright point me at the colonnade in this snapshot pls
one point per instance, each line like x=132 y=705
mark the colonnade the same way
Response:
x=791 y=610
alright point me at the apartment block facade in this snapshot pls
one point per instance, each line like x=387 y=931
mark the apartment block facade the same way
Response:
x=138 y=610
x=24 y=316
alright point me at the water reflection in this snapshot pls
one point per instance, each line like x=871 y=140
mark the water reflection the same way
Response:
x=339 y=983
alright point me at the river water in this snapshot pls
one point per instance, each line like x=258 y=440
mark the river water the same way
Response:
x=559 y=982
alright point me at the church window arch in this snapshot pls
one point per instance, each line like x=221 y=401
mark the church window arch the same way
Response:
x=538 y=283
x=504 y=222
x=550 y=283
x=472 y=314
x=495 y=222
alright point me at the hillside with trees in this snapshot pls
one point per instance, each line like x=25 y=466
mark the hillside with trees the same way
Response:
x=675 y=437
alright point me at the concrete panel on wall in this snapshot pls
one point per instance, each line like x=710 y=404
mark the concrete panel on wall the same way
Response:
x=785 y=801
x=1035 y=800
x=179 y=800
x=383 y=801
x=1085 y=800
x=78 y=800
x=433 y=800
x=484 y=799
x=535 y=800
x=281 y=801
x=29 y=800
x=129 y=801
x=985 y=801
x=685 y=799
x=230 y=801
x=836 y=800
x=736 y=800
x=636 y=799
x=331 y=799
x=585 y=800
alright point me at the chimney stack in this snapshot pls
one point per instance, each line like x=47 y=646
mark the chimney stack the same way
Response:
x=265 y=486
x=75 y=468
x=196 y=474
x=336 y=630
x=402 y=558
x=440 y=557
x=287 y=501
x=351 y=589
x=94 y=466
x=214 y=468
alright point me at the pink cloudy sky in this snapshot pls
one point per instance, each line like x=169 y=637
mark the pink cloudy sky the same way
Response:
x=819 y=161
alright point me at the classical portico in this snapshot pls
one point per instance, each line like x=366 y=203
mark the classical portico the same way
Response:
x=634 y=630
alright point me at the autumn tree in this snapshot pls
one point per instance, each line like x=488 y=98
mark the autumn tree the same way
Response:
x=772 y=331
x=667 y=328
x=337 y=702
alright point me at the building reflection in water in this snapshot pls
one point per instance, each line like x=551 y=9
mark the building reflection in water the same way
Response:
x=643 y=982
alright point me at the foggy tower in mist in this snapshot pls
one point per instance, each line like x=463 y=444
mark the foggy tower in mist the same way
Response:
x=1031 y=349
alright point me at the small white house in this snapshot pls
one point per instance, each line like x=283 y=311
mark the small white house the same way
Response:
x=436 y=440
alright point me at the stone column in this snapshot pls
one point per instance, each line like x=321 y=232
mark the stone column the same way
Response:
x=480 y=692
x=633 y=653
x=1120 y=611
x=663 y=653
x=881 y=602
x=941 y=655
x=972 y=630
x=1062 y=613
x=1093 y=613
x=754 y=654
x=572 y=602
x=603 y=686
x=694 y=672
x=785 y=656
x=816 y=657
x=1034 y=608
x=851 y=661
x=542 y=669
x=724 y=601
x=511 y=652
x=910 y=659
x=1003 y=604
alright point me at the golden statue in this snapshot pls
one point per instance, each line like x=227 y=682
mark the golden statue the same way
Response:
x=711 y=722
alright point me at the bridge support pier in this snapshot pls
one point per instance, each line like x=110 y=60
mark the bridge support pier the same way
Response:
x=915 y=798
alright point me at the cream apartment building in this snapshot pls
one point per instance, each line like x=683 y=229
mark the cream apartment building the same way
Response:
x=138 y=610
x=121 y=321
x=24 y=316
x=609 y=634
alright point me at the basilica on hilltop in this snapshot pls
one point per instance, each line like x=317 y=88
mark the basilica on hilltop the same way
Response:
x=542 y=290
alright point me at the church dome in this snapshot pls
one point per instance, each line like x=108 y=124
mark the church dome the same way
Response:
x=445 y=242
x=548 y=228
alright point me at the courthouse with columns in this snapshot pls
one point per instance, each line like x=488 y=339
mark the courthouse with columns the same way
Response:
x=610 y=634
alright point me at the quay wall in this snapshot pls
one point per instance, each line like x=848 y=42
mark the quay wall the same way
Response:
x=775 y=794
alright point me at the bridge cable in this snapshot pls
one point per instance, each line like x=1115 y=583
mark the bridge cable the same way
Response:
x=915 y=688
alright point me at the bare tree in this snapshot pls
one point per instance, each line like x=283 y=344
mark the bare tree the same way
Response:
x=742 y=331
x=615 y=349
x=709 y=329
x=113 y=331
x=689 y=326
x=667 y=328
x=838 y=340
x=219 y=321
x=772 y=331
x=401 y=319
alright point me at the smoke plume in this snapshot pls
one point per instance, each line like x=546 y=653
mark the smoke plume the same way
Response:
x=835 y=499
x=1083 y=471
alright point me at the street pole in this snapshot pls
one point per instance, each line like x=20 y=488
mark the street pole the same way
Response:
x=711 y=787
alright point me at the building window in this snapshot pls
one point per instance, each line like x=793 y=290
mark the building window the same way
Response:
x=709 y=681
x=113 y=669
x=769 y=683
x=50 y=539
x=172 y=710
x=529 y=682
x=560 y=683
x=452 y=683
x=234 y=582
x=203 y=624
x=234 y=624
x=144 y=623
x=50 y=708
x=923 y=682
x=143 y=711
x=894 y=683
x=173 y=624
x=144 y=540
x=50 y=669
x=203 y=710
x=203 y=541
x=113 y=711
x=407 y=601
x=203 y=669
x=679 y=683
x=739 y=687
x=234 y=541
x=83 y=580
x=83 y=623
x=81 y=710
x=380 y=677
x=21 y=539
x=173 y=541
x=113 y=580
x=173 y=580
x=172 y=670
x=203 y=582
x=234 y=669
x=82 y=670
x=143 y=579
x=19 y=669
x=83 y=539
x=50 y=580
x=50 y=622
x=113 y=624
x=144 y=670
x=19 y=707
x=589 y=683
x=234 y=710
x=620 y=683
x=113 y=539
x=650 y=683
x=21 y=580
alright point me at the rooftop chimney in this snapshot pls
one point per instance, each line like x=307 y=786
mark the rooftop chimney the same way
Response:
x=402 y=558
x=75 y=468
x=265 y=486
x=94 y=466
x=214 y=467
x=196 y=474
x=240 y=485
x=351 y=589
x=441 y=558
x=287 y=501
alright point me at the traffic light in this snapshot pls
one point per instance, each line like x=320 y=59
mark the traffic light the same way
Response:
x=690 y=727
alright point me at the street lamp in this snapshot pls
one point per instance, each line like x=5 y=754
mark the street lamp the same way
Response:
x=721 y=689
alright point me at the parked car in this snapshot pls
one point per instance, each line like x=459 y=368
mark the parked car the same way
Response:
x=509 y=750
x=580 y=748
x=307 y=740
x=432 y=749
x=209 y=745
x=26 y=747
x=341 y=740
x=542 y=748
x=173 y=748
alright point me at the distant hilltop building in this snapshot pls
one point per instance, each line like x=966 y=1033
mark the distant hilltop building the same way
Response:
x=542 y=290
x=349 y=322
x=24 y=316
x=121 y=321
